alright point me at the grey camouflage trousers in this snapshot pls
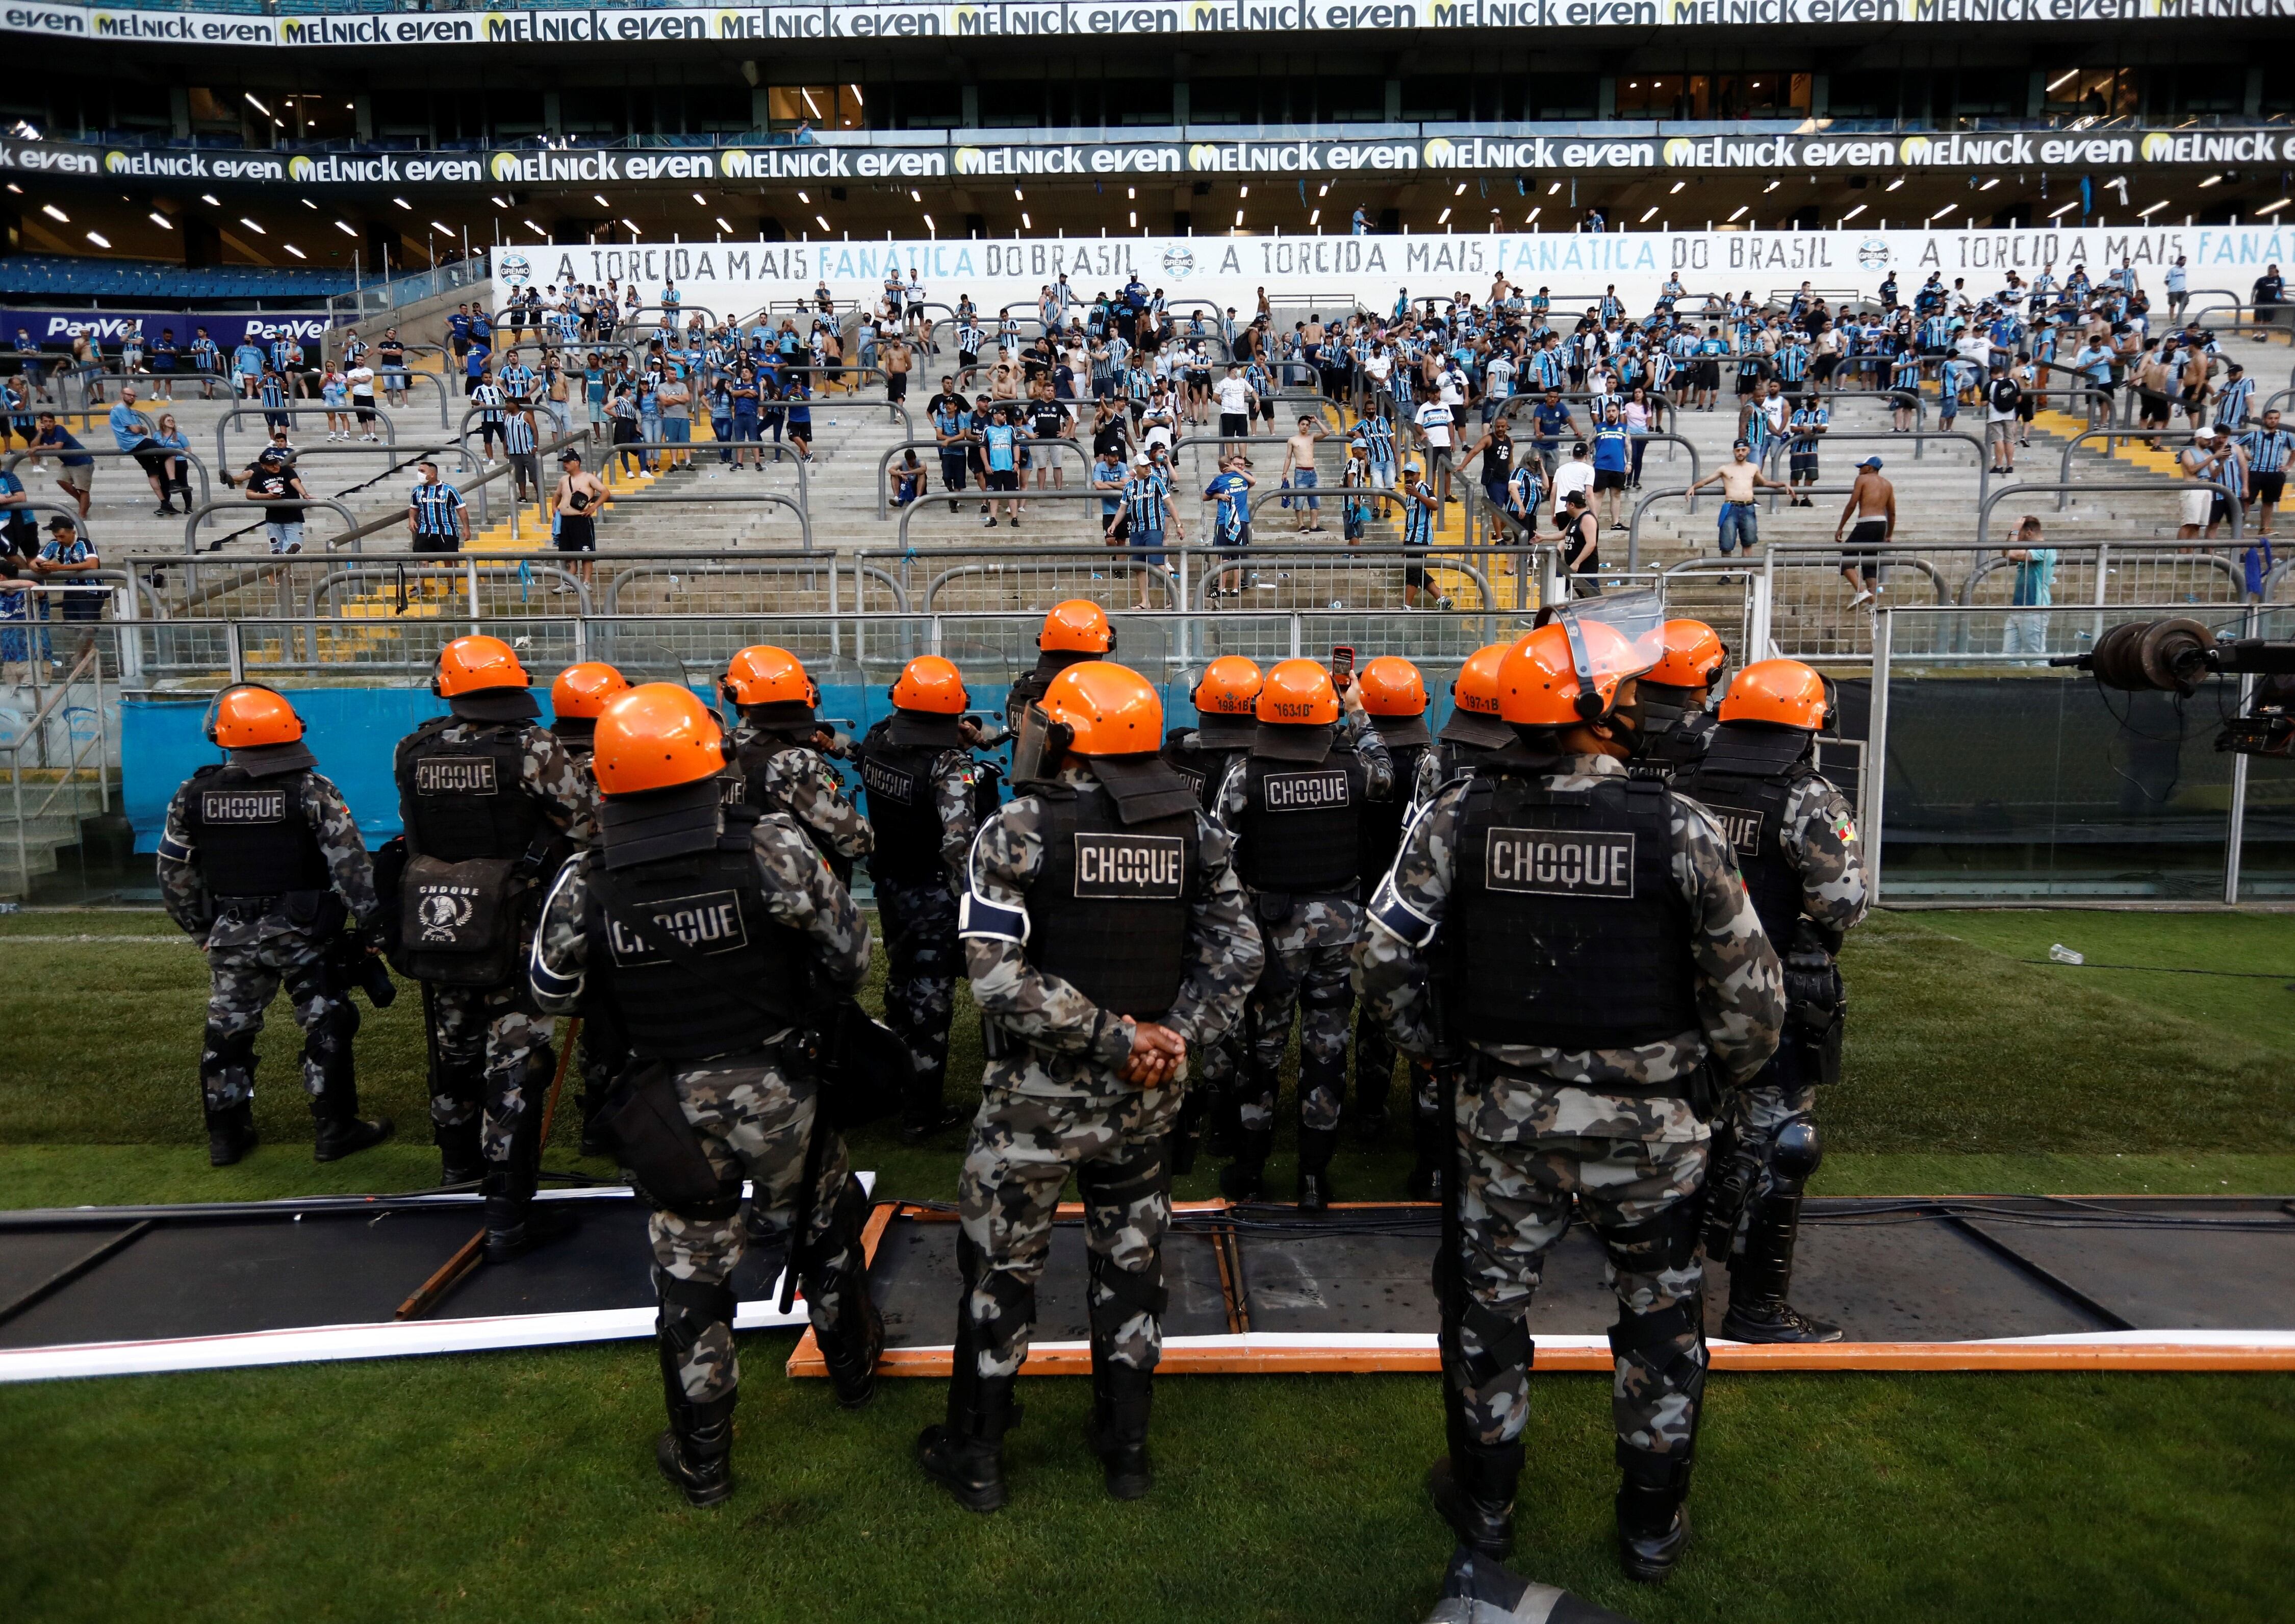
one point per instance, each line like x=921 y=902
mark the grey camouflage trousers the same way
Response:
x=1308 y=979
x=754 y=1120
x=1751 y=1119
x=486 y=1038
x=243 y=979
x=922 y=961
x=1641 y=1196
x=1022 y=1150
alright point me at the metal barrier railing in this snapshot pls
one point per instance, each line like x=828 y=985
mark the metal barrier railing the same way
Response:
x=351 y=532
x=88 y=666
x=190 y=457
x=89 y=381
x=2098 y=487
x=1780 y=451
x=223 y=425
x=885 y=466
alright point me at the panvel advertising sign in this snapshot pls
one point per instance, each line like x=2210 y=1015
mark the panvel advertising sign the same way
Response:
x=56 y=329
x=738 y=278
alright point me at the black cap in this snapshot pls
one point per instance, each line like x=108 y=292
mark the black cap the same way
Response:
x=63 y=522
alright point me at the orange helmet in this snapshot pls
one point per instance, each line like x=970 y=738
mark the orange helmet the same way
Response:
x=1784 y=692
x=1298 y=693
x=1111 y=709
x=585 y=690
x=656 y=737
x=250 y=716
x=764 y=674
x=1693 y=658
x=933 y=685
x=472 y=665
x=1538 y=684
x=1078 y=627
x=1391 y=686
x=1228 y=687
x=1476 y=688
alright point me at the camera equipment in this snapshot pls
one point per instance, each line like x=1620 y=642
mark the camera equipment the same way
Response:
x=2176 y=655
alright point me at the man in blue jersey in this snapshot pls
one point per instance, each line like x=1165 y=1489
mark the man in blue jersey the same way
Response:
x=438 y=519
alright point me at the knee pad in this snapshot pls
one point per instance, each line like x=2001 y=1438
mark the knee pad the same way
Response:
x=1127 y=1293
x=689 y=1308
x=1013 y=1301
x=1795 y=1155
x=848 y=1216
x=1503 y=1342
x=1669 y=1345
x=228 y=1050
x=327 y=1045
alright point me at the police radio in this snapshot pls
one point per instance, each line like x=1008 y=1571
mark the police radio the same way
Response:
x=1039 y=744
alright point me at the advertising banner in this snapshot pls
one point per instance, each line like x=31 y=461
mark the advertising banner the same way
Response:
x=1066 y=18
x=56 y=329
x=740 y=278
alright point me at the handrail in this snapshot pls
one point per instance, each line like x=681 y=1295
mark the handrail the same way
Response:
x=87 y=380
x=2238 y=511
x=184 y=452
x=192 y=522
x=884 y=463
x=1120 y=566
x=2113 y=432
x=781 y=453
x=467 y=567
x=223 y=423
x=2103 y=551
x=664 y=498
x=803 y=565
x=909 y=512
x=1782 y=447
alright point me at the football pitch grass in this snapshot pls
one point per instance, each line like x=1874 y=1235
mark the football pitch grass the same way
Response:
x=512 y=1484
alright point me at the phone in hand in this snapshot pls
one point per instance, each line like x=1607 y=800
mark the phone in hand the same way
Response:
x=1342 y=666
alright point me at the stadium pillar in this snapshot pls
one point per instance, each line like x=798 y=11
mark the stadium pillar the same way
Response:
x=383 y=252
x=202 y=242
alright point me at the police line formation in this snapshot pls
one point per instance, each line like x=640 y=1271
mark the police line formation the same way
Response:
x=1597 y=916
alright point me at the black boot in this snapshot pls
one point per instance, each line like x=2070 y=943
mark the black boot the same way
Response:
x=851 y=1346
x=1316 y=1146
x=1760 y=1276
x=1473 y=1488
x=1118 y=1430
x=1219 y=1120
x=1653 y=1527
x=341 y=1132
x=231 y=1134
x=506 y=1238
x=922 y=1114
x=695 y=1452
x=966 y=1454
x=1436 y=1148
x=1245 y=1179
x=461 y=1161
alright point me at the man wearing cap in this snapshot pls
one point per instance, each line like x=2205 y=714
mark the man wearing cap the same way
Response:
x=1739 y=479
x=574 y=509
x=492 y=803
x=272 y=479
x=1871 y=508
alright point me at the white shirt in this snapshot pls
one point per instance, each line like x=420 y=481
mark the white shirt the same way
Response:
x=1379 y=366
x=1234 y=396
x=362 y=381
x=1571 y=476
x=1434 y=418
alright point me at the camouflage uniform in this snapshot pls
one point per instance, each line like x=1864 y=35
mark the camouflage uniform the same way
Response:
x=492 y=1042
x=1817 y=837
x=602 y=1052
x=754 y=1115
x=798 y=780
x=1055 y=1106
x=919 y=916
x=250 y=955
x=1308 y=953
x=1615 y=1132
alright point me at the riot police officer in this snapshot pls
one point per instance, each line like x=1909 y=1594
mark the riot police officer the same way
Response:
x=1295 y=808
x=1474 y=728
x=1106 y=936
x=492 y=803
x=1074 y=631
x=1796 y=842
x=1592 y=949
x=261 y=863
x=1394 y=696
x=578 y=697
x=693 y=927
x=926 y=795
x=1223 y=698
x=1677 y=727
x=781 y=754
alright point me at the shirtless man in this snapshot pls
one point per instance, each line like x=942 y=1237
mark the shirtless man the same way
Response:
x=1871 y=504
x=898 y=361
x=1739 y=479
x=1299 y=472
x=573 y=508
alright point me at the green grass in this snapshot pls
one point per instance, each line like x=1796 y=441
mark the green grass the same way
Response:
x=497 y=1486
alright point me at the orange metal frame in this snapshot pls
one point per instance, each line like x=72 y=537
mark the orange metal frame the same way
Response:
x=1180 y=1359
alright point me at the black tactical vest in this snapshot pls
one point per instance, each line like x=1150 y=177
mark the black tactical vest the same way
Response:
x=1747 y=776
x=250 y=833
x=1675 y=748
x=1204 y=766
x=898 y=780
x=1108 y=912
x=711 y=899
x=1382 y=821
x=1301 y=826
x=1030 y=685
x=464 y=800
x=578 y=734
x=1564 y=925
